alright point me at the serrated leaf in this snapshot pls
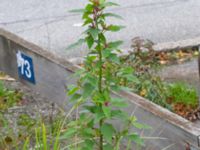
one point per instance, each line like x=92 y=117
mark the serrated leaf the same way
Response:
x=112 y=15
x=76 y=44
x=114 y=28
x=108 y=131
x=136 y=138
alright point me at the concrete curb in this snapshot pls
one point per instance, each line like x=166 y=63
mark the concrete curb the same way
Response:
x=183 y=44
x=53 y=73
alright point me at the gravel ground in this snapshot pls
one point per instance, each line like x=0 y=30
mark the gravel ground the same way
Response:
x=33 y=105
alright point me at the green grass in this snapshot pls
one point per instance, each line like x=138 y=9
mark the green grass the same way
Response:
x=8 y=98
x=183 y=93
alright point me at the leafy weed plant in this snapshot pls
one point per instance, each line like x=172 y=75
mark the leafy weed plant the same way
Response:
x=93 y=129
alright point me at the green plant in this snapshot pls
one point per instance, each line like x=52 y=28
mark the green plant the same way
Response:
x=183 y=94
x=8 y=98
x=94 y=128
x=143 y=81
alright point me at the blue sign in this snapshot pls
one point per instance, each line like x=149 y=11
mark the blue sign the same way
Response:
x=25 y=67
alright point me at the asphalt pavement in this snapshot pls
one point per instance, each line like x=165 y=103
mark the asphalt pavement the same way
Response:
x=49 y=24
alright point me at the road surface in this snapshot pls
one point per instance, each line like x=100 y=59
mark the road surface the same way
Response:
x=49 y=24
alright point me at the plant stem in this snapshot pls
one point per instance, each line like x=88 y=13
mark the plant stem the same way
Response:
x=101 y=136
x=100 y=75
x=100 y=91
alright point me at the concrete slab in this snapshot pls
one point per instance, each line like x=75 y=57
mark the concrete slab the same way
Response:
x=49 y=24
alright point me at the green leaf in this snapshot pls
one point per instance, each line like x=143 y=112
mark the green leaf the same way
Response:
x=88 y=132
x=118 y=102
x=75 y=97
x=114 y=58
x=98 y=116
x=72 y=89
x=91 y=109
x=69 y=133
x=93 y=32
x=93 y=80
x=140 y=126
x=90 y=41
x=119 y=114
x=114 y=28
x=123 y=88
x=101 y=2
x=77 y=11
x=136 y=138
x=107 y=111
x=108 y=131
x=112 y=15
x=127 y=70
x=87 y=90
x=108 y=4
x=115 y=44
x=102 y=38
x=132 y=78
x=89 y=8
x=88 y=145
x=87 y=21
x=76 y=44
x=108 y=147
x=44 y=137
x=106 y=52
x=116 y=88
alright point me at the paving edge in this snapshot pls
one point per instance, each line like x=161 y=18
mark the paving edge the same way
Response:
x=177 y=45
